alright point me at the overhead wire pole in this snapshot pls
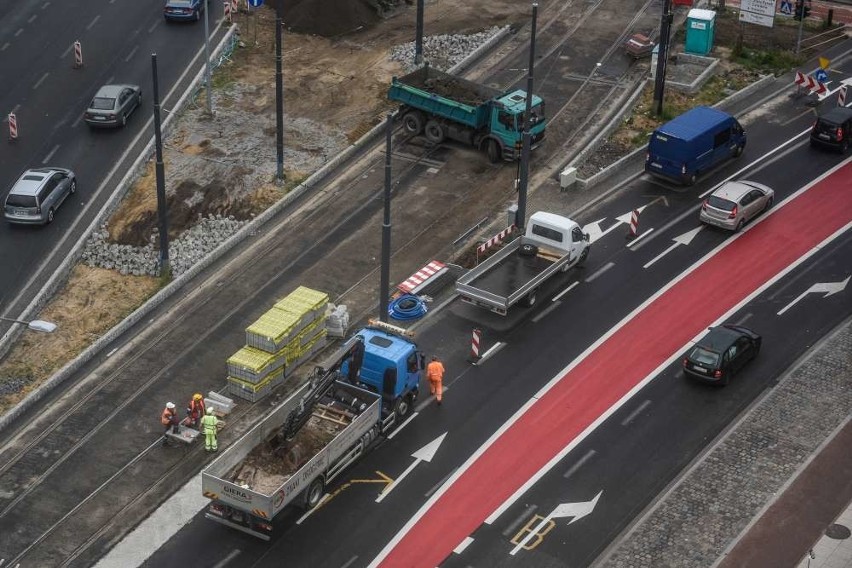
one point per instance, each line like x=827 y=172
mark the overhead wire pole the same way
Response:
x=524 y=170
x=418 y=37
x=384 y=286
x=279 y=93
x=207 y=65
x=662 y=56
x=162 y=212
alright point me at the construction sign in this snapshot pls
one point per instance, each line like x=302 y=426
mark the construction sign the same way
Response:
x=824 y=63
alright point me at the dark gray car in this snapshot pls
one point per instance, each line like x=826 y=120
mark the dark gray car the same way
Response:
x=37 y=194
x=113 y=104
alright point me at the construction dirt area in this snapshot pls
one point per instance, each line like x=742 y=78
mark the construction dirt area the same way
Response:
x=337 y=69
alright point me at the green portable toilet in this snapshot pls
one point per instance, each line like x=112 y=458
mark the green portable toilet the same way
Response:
x=700 y=25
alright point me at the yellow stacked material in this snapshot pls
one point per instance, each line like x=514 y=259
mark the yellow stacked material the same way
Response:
x=304 y=301
x=273 y=330
x=254 y=392
x=310 y=330
x=253 y=365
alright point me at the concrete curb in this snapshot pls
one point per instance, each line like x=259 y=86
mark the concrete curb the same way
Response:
x=134 y=172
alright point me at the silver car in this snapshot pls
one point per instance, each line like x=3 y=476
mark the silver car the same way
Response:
x=736 y=203
x=113 y=104
x=37 y=194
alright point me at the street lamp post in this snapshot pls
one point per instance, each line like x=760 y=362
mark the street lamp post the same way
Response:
x=35 y=325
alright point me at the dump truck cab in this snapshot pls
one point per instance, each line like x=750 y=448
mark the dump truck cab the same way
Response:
x=507 y=122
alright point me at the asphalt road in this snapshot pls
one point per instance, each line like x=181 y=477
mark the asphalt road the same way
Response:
x=663 y=427
x=48 y=96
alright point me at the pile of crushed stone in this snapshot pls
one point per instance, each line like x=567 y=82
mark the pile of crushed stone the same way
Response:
x=443 y=51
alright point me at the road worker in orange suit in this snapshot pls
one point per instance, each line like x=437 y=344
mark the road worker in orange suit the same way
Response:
x=169 y=419
x=195 y=410
x=435 y=374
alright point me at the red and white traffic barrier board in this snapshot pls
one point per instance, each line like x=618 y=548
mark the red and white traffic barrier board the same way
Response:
x=474 y=344
x=496 y=239
x=234 y=7
x=13 y=126
x=228 y=9
x=810 y=84
x=78 y=55
x=634 y=224
x=422 y=277
x=800 y=79
x=841 y=96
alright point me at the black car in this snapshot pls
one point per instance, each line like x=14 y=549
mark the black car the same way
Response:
x=833 y=129
x=722 y=352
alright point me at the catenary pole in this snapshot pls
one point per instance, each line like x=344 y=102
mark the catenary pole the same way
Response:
x=279 y=93
x=384 y=287
x=524 y=170
x=162 y=211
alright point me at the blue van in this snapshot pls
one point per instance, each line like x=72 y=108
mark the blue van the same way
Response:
x=693 y=143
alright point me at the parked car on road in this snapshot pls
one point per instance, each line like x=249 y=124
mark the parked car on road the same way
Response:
x=37 y=195
x=736 y=203
x=183 y=10
x=112 y=105
x=833 y=129
x=721 y=353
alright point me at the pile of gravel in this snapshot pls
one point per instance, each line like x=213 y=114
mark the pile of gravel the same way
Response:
x=192 y=246
x=443 y=51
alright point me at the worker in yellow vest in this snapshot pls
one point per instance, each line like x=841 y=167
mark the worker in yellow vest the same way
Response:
x=208 y=426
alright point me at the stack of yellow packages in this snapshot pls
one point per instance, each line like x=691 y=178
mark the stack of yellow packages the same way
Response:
x=278 y=342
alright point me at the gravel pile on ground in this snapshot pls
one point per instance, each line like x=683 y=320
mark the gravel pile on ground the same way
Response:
x=11 y=385
x=442 y=51
x=193 y=245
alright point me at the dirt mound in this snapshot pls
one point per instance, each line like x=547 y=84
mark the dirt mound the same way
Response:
x=328 y=18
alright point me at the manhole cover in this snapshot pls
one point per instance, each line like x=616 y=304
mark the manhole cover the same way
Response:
x=838 y=532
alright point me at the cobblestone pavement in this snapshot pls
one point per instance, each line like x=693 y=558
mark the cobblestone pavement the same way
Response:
x=717 y=498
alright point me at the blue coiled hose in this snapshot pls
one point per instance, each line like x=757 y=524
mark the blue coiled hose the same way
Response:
x=407 y=307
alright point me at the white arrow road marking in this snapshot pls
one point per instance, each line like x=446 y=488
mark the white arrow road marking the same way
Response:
x=594 y=230
x=683 y=239
x=575 y=510
x=426 y=453
x=827 y=288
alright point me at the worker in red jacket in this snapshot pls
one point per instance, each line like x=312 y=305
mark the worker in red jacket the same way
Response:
x=195 y=410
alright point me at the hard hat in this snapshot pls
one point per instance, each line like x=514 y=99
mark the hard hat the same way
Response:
x=170 y=405
x=197 y=396
x=209 y=410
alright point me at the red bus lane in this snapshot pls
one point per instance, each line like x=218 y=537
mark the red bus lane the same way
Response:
x=620 y=363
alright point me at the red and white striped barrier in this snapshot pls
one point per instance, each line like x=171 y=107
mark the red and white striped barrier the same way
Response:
x=495 y=240
x=841 y=96
x=13 y=126
x=78 y=55
x=422 y=277
x=810 y=84
x=228 y=10
x=235 y=8
x=474 y=344
x=634 y=224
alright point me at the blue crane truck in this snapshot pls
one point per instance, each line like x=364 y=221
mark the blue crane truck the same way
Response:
x=365 y=389
x=443 y=106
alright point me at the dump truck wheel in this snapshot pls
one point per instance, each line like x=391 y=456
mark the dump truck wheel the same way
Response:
x=315 y=493
x=434 y=132
x=413 y=123
x=493 y=150
x=403 y=407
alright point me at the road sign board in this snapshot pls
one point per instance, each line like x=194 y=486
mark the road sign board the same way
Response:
x=821 y=75
x=256 y=3
x=760 y=12
x=786 y=7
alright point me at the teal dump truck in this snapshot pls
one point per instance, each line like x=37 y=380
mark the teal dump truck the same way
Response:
x=442 y=106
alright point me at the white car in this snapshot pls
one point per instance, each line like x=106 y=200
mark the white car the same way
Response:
x=736 y=203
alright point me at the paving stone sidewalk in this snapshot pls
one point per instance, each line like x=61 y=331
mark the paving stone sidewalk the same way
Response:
x=708 y=509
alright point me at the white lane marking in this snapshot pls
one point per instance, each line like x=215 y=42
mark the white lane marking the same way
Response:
x=50 y=154
x=40 y=81
x=565 y=291
x=640 y=237
x=112 y=352
x=32 y=18
x=424 y=454
x=15 y=108
x=154 y=26
x=397 y=538
x=45 y=5
x=350 y=562
x=580 y=463
x=132 y=53
x=93 y=22
x=632 y=416
x=546 y=311
x=224 y=562
x=19 y=32
x=403 y=425
x=679 y=240
x=797 y=117
x=661 y=255
x=322 y=501
x=494 y=349
x=5 y=46
x=744 y=319
x=67 y=51
x=600 y=271
x=77 y=122
x=463 y=544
